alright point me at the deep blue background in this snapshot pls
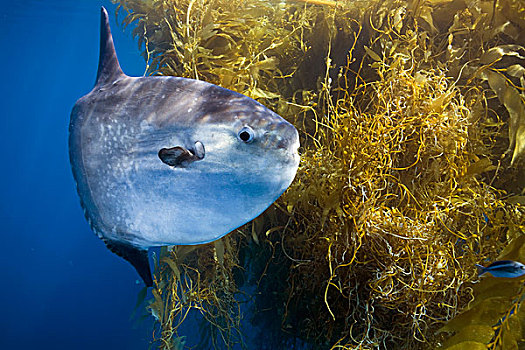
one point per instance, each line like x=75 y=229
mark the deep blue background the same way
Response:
x=60 y=287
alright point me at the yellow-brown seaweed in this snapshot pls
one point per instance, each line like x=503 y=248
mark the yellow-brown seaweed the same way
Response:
x=412 y=120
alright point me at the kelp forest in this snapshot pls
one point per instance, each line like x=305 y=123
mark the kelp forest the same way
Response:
x=412 y=123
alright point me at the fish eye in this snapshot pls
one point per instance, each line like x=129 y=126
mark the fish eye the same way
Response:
x=246 y=134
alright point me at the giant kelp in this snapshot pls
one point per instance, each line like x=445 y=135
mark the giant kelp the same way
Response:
x=412 y=121
x=197 y=278
x=495 y=317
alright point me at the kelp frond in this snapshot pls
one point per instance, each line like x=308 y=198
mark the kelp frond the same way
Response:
x=412 y=121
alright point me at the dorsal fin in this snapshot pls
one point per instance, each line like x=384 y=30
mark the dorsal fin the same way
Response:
x=108 y=67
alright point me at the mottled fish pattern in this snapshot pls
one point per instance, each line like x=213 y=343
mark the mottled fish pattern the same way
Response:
x=173 y=161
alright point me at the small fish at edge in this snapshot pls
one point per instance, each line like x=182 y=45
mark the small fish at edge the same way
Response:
x=503 y=268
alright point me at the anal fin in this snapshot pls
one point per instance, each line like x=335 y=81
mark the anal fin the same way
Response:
x=136 y=256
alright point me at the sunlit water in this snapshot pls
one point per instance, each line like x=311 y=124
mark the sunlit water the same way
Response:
x=60 y=288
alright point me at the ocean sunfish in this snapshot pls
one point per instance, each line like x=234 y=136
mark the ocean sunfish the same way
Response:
x=173 y=161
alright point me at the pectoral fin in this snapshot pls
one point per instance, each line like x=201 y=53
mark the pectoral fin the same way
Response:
x=181 y=157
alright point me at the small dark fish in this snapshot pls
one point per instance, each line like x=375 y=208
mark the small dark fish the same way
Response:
x=503 y=268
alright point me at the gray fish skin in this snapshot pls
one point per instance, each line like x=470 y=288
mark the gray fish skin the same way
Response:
x=236 y=158
x=503 y=268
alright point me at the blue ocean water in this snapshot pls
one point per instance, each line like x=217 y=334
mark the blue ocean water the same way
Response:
x=60 y=287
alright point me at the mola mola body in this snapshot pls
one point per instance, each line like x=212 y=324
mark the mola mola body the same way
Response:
x=173 y=161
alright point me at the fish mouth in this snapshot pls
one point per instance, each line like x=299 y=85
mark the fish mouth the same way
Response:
x=290 y=156
x=283 y=136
